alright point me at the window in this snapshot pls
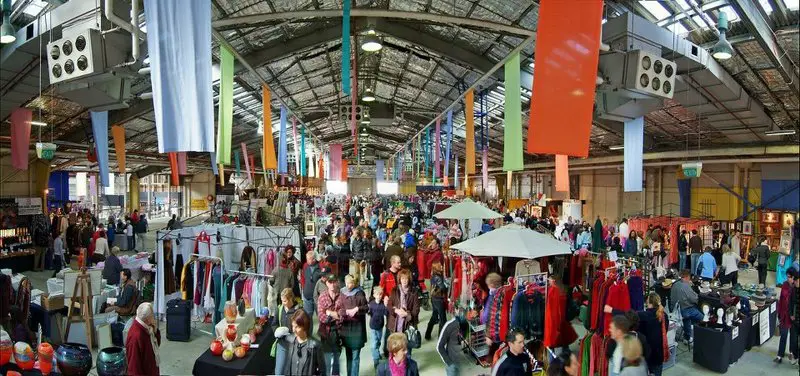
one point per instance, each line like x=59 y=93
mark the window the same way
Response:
x=765 y=4
x=655 y=9
x=792 y=4
x=684 y=5
x=336 y=187
x=677 y=28
x=387 y=187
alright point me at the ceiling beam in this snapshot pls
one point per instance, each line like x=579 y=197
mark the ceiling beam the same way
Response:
x=760 y=29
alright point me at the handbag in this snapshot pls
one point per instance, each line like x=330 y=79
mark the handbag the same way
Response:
x=414 y=337
x=699 y=269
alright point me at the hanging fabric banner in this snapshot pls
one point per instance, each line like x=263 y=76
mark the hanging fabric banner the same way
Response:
x=634 y=154
x=268 y=159
x=469 y=116
x=181 y=162
x=118 y=132
x=252 y=159
x=335 y=160
x=225 y=117
x=296 y=146
x=512 y=110
x=508 y=183
x=100 y=132
x=685 y=197
x=221 y=174
x=20 y=137
x=455 y=174
x=173 y=169
x=428 y=154
x=246 y=161
x=303 y=157
x=282 y=148
x=414 y=158
x=562 y=173
x=344 y=170
x=92 y=183
x=354 y=104
x=179 y=49
x=485 y=168
x=213 y=157
x=567 y=53
x=437 y=171
x=236 y=161
x=447 y=144
x=321 y=167
x=346 y=47
x=379 y=170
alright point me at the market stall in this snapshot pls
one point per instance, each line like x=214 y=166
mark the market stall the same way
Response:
x=673 y=227
x=469 y=212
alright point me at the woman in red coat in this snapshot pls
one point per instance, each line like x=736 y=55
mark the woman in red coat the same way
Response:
x=141 y=347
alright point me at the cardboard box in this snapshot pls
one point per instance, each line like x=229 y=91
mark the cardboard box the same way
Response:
x=52 y=302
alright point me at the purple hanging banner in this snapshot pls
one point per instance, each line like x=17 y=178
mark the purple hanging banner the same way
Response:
x=335 y=162
x=485 y=168
x=380 y=170
x=437 y=151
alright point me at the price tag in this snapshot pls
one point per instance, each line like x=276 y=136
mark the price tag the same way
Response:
x=735 y=332
x=755 y=320
x=773 y=307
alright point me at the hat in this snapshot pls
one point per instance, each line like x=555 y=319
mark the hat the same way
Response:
x=667 y=282
x=330 y=277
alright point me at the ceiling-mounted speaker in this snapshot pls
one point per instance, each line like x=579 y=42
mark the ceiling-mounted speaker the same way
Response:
x=650 y=74
x=76 y=56
x=345 y=111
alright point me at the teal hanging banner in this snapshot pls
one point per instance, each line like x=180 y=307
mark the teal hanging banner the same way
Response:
x=346 y=47
x=303 y=151
x=236 y=161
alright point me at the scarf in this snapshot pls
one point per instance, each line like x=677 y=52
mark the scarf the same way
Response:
x=153 y=340
x=397 y=369
x=403 y=303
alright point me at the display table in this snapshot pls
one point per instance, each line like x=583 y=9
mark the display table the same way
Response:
x=256 y=362
x=712 y=348
x=18 y=262
x=242 y=324
x=761 y=332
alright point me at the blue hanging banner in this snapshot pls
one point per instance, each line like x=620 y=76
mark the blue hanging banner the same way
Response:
x=100 y=132
x=283 y=151
x=447 y=145
x=346 y=47
x=455 y=175
x=214 y=163
x=303 y=158
x=379 y=170
x=634 y=154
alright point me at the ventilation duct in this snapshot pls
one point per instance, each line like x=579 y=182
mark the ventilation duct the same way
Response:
x=701 y=84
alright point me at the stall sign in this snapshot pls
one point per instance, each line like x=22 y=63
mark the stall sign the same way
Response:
x=763 y=326
x=29 y=205
x=735 y=332
x=199 y=204
x=773 y=307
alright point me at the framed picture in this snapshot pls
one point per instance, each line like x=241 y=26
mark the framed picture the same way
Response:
x=739 y=225
x=787 y=220
x=310 y=228
x=747 y=228
x=731 y=226
x=769 y=217
x=716 y=226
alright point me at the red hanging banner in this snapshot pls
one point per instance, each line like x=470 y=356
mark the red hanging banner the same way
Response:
x=562 y=173
x=20 y=137
x=173 y=166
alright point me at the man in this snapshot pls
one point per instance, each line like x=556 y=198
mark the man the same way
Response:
x=112 y=268
x=683 y=249
x=131 y=244
x=516 y=361
x=320 y=287
x=389 y=278
x=707 y=267
x=683 y=295
x=126 y=297
x=171 y=223
x=449 y=346
x=735 y=242
x=393 y=249
x=787 y=317
x=695 y=249
x=624 y=231
x=309 y=277
x=761 y=254
x=141 y=347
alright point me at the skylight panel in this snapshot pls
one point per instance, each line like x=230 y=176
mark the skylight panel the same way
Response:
x=677 y=28
x=765 y=4
x=684 y=5
x=732 y=16
x=655 y=9
x=792 y=4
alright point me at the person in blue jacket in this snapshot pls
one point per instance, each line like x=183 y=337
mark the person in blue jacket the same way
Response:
x=707 y=265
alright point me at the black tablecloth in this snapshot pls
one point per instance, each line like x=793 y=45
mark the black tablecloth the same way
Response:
x=41 y=316
x=13 y=367
x=256 y=362
x=755 y=331
x=17 y=264
x=739 y=343
x=712 y=348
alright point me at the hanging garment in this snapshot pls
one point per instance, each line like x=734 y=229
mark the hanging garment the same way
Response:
x=169 y=274
x=202 y=245
x=527 y=313
x=618 y=298
x=187 y=281
x=557 y=330
x=248 y=259
x=636 y=293
x=178 y=269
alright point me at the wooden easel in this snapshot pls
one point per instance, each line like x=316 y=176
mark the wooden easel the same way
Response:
x=83 y=294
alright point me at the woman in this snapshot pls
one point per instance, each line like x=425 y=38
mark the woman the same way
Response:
x=616 y=246
x=438 y=299
x=455 y=230
x=653 y=326
x=399 y=362
x=632 y=353
x=354 y=322
x=403 y=306
x=304 y=354
x=730 y=266
x=632 y=244
x=566 y=364
x=283 y=319
x=329 y=307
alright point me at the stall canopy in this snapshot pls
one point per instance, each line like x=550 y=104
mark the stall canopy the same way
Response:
x=513 y=241
x=467 y=209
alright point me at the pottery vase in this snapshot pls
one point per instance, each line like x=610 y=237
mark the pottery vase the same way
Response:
x=74 y=359
x=46 y=353
x=6 y=347
x=230 y=312
x=241 y=307
x=23 y=356
x=231 y=333
x=111 y=362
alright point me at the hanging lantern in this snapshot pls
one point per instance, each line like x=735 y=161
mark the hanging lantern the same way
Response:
x=46 y=150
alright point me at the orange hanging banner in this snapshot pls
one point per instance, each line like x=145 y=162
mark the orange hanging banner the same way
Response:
x=562 y=173
x=567 y=53
x=268 y=158
x=469 y=115
x=344 y=170
x=173 y=166
x=118 y=132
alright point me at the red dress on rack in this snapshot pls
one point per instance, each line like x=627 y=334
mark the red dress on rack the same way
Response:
x=618 y=298
x=557 y=330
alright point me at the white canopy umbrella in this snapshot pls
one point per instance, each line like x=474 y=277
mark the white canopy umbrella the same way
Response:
x=513 y=241
x=467 y=209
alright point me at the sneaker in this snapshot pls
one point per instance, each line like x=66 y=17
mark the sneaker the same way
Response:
x=794 y=362
x=778 y=359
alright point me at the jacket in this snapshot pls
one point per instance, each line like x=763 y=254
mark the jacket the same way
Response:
x=303 y=359
x=309 y=275
x=354 y=329
x=412 y=307
x=358 y=248
x=377 y=315
x=127 y=299
x=283 y=279
x=709 y=265
x=438 y=287
x=784 y=308
x=513 y=365
x=695 y=244
x=411 y=368
x=111 y=270
x=681 y=293
x=388 y=282
x=762 y=254
x=448 y=345
x=139 y=352
x=327 y=324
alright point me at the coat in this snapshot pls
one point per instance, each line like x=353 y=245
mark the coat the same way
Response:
x=784 y=308
x=139 y=352
x=695 y=244
x=305 y=360
x=354 y=329
x=328 y=325
x=411 y=368
x=412 y=305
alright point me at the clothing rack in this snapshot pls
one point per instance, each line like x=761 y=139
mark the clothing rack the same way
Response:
x=196 y=257
x=253 y=274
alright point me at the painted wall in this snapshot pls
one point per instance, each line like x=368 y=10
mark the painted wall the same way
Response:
x=200 y=187
x=13 y=182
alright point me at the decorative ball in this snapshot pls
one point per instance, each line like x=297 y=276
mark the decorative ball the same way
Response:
x=227 y=355
x=240 y=352
x=23 y=356
x=5 y=347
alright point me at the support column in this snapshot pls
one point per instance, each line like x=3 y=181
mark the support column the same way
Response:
x=660 y=180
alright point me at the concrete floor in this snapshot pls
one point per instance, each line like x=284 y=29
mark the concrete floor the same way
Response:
x=177 y=358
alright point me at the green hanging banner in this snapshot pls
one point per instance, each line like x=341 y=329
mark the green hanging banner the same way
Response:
x=224 y=130
x=512 y=133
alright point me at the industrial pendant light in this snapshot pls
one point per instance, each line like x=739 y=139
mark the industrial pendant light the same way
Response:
x=368 y=96
x=7 y=32
x=371 y=42
x=723 y=49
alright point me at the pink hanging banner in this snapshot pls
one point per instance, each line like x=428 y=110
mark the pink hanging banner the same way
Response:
x=246 y=161
x=20 y=137
x=182 y=163
x=253 y=171
x=437 y=149
x=562 y=173
x=335 y=160
x=485 y=168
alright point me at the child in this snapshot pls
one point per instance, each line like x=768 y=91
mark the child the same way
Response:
x=377 y=312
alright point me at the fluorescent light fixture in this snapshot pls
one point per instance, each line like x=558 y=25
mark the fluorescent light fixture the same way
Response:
x=723 y=49
x=365 y=121
x=368 y=96
x=532 y=64
x=38 y=123
x=780 y=132
x=7 y=32
x=605 y=20
x=371 y=42
x=616 y=147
